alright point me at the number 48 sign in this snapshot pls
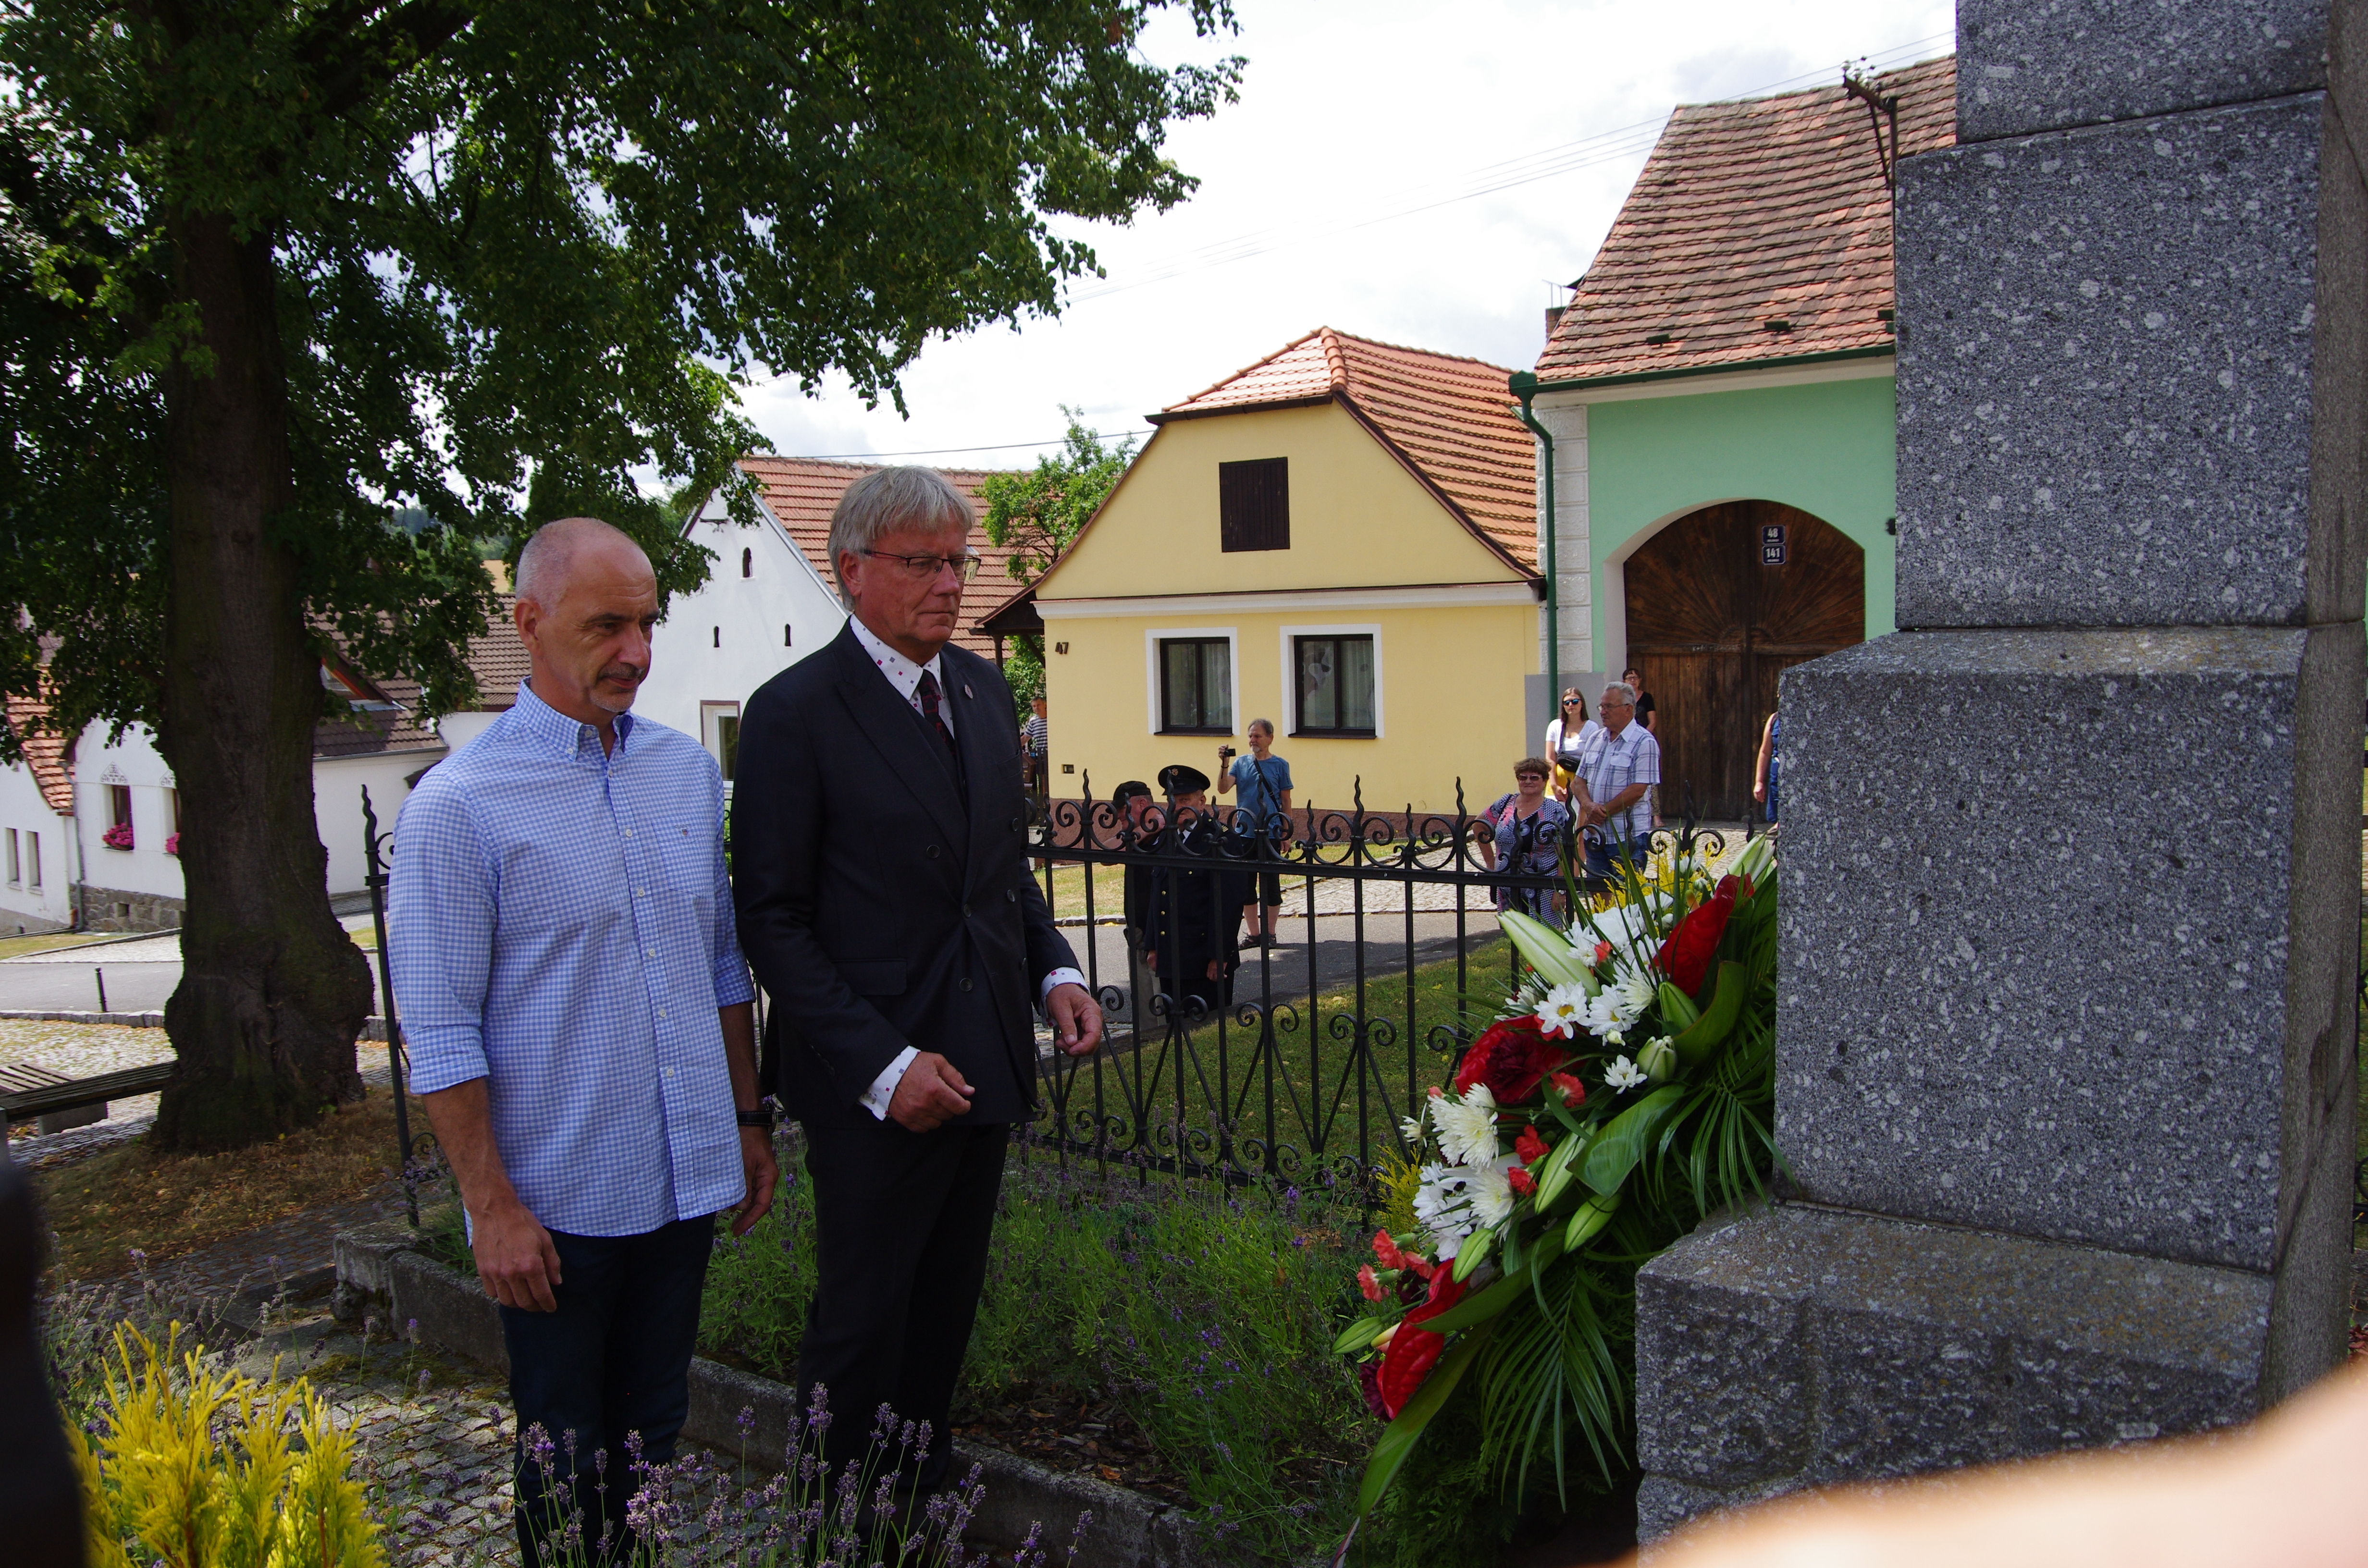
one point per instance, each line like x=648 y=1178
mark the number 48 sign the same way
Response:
x=1772 y=545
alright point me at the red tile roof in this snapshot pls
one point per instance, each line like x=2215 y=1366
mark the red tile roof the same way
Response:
x=802 y=492
x=498 y=660
x=1448 y=418
x=45 y=754
x=1764 y=210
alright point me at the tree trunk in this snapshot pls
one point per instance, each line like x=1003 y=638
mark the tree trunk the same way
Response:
x=273 y=993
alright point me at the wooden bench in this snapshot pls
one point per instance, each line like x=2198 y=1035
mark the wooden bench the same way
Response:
x=29 y=1092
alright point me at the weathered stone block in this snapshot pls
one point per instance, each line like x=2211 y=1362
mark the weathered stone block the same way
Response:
x=1898 y=1348
x=2068 y=932
x=2032 y=65
x=2115 y=372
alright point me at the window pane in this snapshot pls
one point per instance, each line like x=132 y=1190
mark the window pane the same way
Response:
x=1177 y=683
x=1317 y=708
x=727 y=742
x=33 y=859
x=1217 y=685
x=12 y=857
x=1355 y=682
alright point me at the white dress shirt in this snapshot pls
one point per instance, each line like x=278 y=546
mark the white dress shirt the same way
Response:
x=906 y=676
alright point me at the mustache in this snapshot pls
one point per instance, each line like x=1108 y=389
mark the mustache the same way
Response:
x=625 y=675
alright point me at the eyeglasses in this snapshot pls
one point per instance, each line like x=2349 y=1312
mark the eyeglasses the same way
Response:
x=1529 y=777
x=965 y=565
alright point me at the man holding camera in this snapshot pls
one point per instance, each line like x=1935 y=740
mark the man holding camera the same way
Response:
x=1264 y=782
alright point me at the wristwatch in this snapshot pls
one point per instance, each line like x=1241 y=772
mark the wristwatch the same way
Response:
x=761 y=1117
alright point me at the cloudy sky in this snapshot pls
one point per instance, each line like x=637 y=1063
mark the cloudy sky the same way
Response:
x=1351 y=187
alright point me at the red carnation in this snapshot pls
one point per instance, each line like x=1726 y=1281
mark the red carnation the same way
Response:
x=1574 y=1093
x=1370 y=1283
x=1385 y=1248
x=1413 y=1350
x=1510 y=1058
x=1529 y=1145
x=1520 y=1181
x=1685 y=957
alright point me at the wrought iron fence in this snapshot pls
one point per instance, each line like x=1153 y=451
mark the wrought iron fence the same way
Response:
x=416 y=1148
x=1295 y=1061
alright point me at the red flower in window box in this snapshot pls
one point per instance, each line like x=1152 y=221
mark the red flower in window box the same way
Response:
x=172 y=844
x=117 y=838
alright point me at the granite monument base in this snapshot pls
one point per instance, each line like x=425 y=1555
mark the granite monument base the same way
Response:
x=1798 y=1347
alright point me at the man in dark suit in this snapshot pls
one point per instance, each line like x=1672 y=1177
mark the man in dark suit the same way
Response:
x=882 y=880
x=1191 y=943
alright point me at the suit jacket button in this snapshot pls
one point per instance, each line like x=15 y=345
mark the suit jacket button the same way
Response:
x=1010 y=897
x=965 y=983
x=931 y=851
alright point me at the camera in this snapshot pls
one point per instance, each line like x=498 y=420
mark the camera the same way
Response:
x=1224 y=753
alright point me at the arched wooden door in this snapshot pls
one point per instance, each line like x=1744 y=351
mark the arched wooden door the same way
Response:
x=1719 y=603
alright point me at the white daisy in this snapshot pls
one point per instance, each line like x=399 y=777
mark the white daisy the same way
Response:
x=1623 y=1074
x=1467 y=1127
x=1564 y=1012
x=1443 y=1206
x=1491 y=1194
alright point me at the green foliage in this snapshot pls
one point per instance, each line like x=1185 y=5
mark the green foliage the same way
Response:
x=1206 y=1315
x=1039 y=514
x=1443 y=1511
x=516 y=253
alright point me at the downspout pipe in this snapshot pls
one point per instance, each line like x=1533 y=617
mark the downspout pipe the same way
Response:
x=1525 y=387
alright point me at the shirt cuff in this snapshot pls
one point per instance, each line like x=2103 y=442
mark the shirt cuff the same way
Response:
x=883 y=1088
x=1059 y=977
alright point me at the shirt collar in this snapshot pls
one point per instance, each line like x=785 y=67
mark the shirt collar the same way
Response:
x=547 y=726
x=902 y=673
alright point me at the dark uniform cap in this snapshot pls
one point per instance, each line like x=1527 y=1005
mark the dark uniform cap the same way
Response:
x=1130 y=789
x=1183 y=779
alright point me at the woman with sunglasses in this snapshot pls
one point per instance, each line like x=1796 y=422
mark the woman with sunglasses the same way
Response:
x=1565 y=736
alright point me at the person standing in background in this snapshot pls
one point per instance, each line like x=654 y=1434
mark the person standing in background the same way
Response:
x=1137 y=827
x=1647 y=721
x=1530 y=827
x=1763 y=783
x=1565 y=736
x=1035 y=739
x=1264 y=781
x=1622 y=762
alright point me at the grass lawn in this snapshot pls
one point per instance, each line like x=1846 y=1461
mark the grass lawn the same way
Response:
x=168 y=1204
x=18 y=946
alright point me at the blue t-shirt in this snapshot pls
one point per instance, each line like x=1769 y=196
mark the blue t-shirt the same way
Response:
x=1260 y=786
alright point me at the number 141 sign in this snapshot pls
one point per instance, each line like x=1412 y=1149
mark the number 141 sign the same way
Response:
x=1772 y=545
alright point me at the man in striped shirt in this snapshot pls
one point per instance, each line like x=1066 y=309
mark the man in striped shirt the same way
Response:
x=1618 y=767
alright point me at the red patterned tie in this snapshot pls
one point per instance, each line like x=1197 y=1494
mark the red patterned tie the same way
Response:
x=928 y=694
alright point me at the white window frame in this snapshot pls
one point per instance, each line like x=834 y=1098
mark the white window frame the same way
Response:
x=14 y=873
x=1156 y=635
x=33 y=859
x=1291 y=634
x=710 y=711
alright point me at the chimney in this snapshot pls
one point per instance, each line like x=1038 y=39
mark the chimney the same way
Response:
x=1553 y=315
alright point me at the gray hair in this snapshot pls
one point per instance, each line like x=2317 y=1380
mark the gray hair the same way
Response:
x=889 y=498
x=1265 y=724
x=543 y=565
x=1621 y=691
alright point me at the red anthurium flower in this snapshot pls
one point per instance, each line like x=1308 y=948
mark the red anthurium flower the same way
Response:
x=1529 y=1145
x=1385 y=1248
x=1685 y=957
x=1520 y=1181
x=1413 y=1350
x=1510 y=1057
x=1574 y=1093
x=1602 y=951
x=1370 y=1284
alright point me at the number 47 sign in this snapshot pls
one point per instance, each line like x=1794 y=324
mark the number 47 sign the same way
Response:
x=1772 y=545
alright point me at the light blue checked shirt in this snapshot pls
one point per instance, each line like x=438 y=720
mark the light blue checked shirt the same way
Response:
x=562 y=928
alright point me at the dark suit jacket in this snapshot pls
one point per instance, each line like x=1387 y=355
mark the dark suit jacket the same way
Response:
x=876 y=911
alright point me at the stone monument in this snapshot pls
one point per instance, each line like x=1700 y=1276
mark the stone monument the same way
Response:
x=2066 y=1016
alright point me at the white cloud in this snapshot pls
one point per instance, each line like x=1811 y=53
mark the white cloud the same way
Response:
x=1350 y=114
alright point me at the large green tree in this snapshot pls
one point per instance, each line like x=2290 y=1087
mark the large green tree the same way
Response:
x=1038 y=513
x=271 y=270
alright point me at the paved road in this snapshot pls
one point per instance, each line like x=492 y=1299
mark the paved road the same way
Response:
x=142 y=975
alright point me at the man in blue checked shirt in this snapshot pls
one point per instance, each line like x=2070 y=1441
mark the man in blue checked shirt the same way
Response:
x=578 y=1016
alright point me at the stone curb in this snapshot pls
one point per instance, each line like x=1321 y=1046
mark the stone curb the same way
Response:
x=373 y=1027
x=1129 y=1530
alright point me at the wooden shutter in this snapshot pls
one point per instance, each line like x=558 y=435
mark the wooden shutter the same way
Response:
x=1254 y=504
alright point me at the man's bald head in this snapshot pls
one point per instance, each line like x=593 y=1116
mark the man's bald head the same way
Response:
x=586 y=600
x=550 y=557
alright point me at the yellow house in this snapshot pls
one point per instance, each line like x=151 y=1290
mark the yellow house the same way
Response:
x=1340 y=538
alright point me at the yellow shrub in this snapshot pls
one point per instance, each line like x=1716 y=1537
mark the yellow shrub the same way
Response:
x=195 y=1471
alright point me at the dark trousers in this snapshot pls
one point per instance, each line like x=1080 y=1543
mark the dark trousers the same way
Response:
x=1636 y=851
x=902 y=1225
x=614 y=1359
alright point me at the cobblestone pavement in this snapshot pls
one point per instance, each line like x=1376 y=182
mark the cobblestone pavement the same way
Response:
x=84 y=1050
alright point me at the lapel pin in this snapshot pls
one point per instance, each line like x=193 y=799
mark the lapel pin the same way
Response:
x=966 y=691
